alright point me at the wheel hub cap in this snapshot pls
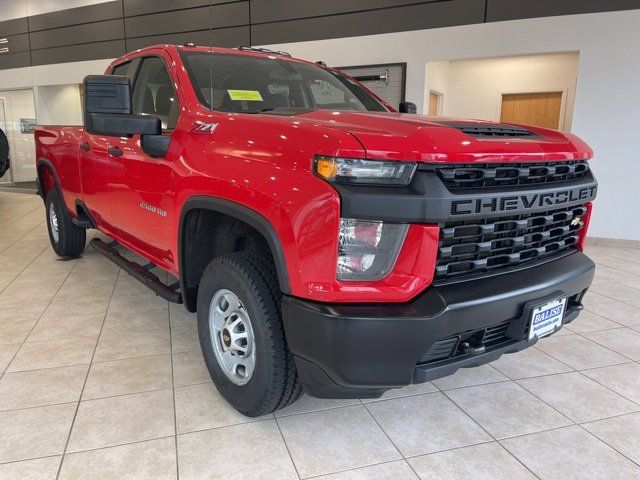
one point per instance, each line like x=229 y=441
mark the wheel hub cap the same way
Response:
x=232 y=336
x=53 y=223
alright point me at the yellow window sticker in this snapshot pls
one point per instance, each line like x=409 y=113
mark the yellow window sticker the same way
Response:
x=245 y=95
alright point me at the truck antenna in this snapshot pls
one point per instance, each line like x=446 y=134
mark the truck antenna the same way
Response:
x=211 y=54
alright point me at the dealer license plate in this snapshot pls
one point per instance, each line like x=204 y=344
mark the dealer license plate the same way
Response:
x=547 y=318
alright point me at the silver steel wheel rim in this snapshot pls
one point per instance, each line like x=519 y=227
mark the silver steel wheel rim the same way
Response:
x=53 y=223
x=232 y=337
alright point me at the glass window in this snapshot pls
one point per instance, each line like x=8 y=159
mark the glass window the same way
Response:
x=153 y=92
x=121 y=69
x=249 y=84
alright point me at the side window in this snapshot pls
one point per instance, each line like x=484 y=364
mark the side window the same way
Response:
x=121 y=69
x=153 y=92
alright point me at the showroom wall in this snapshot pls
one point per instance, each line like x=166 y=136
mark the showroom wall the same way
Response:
x=474 y=88
x=59 y=105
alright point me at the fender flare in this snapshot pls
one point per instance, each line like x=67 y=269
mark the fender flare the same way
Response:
x=246 y=215
x=39 y=164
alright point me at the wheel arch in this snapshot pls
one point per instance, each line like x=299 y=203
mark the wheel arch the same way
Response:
x=44 y=183
x=238 y=212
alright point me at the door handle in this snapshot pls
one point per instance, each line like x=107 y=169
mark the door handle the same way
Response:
x=85 y=146
x=115 y=151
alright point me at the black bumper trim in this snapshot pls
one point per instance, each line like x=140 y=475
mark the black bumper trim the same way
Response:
x=361 y=350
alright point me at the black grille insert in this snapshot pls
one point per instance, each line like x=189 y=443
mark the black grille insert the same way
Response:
x=453 y=346
x=472 y=247
x=469 y=177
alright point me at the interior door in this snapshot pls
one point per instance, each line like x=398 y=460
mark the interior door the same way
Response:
x=537 y=109
x=139 y=185
x=434 y=104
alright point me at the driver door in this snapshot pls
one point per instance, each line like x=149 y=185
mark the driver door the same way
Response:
x=140 y=185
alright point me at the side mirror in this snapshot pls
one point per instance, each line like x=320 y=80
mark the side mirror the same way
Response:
x=107 y=109
x=408 y=107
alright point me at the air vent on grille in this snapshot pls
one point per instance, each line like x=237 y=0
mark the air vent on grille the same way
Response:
x=454 y=346
x=490 y=130
x=463 y=177
x=484 y=245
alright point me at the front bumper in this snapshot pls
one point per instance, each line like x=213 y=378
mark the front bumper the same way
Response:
x=362 y=350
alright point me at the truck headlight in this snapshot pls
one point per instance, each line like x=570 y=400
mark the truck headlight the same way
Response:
x=368 y=250
x=363 y=172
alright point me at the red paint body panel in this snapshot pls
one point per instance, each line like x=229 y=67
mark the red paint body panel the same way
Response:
x=264 y=162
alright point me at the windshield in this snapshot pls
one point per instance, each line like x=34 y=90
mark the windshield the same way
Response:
x=247 y=84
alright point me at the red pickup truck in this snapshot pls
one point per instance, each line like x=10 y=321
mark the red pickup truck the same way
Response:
x=326 y=241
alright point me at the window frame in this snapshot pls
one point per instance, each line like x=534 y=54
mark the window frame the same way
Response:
x=137 y=65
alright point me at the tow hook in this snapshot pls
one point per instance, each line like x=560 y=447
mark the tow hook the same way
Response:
x=473 y=349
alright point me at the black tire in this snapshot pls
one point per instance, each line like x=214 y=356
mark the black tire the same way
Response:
x=71 y=239
x=274 y=383
x=4 y=154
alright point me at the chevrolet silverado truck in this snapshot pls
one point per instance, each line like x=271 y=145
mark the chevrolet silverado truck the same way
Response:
x=327 y=242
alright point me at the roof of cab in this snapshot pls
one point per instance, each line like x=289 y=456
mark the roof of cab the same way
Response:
x=248 y=51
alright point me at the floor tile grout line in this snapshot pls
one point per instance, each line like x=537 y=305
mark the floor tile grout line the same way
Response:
x=135 y=442
x=286 y=445
x=609 y=388
x=389 y=438
x=39 y=225
x=608 y=348
x=39 y=317
x=567 y=416
x=30 y=458
x=95 y=348
x=608 y=445
x=97 y=361
x=173 y=391
x=487 y=432
x=386 y=462
x=25 y=267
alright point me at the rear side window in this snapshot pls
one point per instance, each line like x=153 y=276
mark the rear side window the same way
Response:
x=154 y=94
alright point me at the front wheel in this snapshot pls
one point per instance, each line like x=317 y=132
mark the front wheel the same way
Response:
x=67 y=239
x=242 y=336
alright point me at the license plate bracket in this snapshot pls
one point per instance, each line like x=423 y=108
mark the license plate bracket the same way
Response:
x=546 y=318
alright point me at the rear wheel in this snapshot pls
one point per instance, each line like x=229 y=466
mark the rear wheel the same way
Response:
x=241 y=334
x=67 y=239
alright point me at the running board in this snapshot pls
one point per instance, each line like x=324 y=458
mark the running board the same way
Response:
x=137 y=271
x=82 y=221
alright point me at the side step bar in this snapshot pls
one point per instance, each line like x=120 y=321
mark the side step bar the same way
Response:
x=83 y=221
x=139 y=272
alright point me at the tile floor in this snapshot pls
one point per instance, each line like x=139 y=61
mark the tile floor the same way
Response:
x=101 y=379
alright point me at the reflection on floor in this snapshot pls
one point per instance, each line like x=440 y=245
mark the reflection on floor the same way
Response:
x=101 y=379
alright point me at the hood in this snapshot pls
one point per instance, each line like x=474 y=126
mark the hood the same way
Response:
x=408 y=137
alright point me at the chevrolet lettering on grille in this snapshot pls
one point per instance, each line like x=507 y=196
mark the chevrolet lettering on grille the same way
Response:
x=522 y=202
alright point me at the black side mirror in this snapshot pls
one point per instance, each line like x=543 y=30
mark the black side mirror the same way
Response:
x=107 y=109
x=408 y=107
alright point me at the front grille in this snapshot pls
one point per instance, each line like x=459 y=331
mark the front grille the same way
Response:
x=472 y=247
x=490 y=130
x=469 y=177
x=453 y=346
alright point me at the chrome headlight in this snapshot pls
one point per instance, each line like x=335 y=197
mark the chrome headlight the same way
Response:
x=363 y=172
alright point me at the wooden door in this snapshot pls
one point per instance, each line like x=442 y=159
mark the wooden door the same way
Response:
x=537 y=109
x=434 y=103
